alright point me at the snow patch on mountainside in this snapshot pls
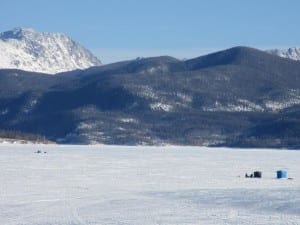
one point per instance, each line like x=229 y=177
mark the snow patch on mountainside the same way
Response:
x=292 y=98
x=241 y=105
x=159 y=106
x=128 y=120
x=27 y=49
x=290 y=53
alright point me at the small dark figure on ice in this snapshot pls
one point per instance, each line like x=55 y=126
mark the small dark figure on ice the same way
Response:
x=256 y=174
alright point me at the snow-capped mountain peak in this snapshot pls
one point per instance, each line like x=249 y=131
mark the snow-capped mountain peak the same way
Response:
x=27 y=49
x=19 y=33
x=290 y=53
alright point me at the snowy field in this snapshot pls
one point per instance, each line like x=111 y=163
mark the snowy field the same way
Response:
x=110 y=185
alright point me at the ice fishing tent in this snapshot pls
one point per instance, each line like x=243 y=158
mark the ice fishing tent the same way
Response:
x=257 y=174
x=281 y=174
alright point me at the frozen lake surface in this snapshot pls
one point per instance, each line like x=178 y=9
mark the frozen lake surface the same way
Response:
x=113 y=185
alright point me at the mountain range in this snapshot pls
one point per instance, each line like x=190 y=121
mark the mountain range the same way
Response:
x=239 y=97
x=51 y=53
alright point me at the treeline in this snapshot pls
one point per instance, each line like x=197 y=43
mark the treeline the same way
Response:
x=18 y=135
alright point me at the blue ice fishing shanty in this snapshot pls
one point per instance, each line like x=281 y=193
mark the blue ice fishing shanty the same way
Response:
x=281 y=174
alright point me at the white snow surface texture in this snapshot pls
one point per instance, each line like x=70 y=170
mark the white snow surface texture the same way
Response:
x=27 y=49
x=290 y=53
x=146 y=186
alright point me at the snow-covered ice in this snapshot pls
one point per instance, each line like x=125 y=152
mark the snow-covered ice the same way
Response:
x=146 y=185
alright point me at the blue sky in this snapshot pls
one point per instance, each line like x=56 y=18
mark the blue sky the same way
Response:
x=123 y=29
